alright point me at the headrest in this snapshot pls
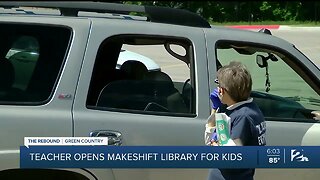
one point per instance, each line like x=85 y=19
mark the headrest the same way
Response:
x=134 y=69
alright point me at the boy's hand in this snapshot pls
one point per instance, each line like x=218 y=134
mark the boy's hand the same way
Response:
x=216 y=103
x=316 y=115
x=214 y=143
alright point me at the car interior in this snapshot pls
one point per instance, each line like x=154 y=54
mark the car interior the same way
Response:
x=269 y=70
x=133 y=87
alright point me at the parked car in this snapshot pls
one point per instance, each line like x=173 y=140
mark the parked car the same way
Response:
x=126 y=55
x=70 y=84
x=25 y=59
x=32 y=56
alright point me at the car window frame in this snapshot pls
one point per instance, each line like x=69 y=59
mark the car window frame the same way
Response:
x=192 y=76
x=296 y=65
x=59 y=73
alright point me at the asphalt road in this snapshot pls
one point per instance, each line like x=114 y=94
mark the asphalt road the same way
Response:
x=306 y=39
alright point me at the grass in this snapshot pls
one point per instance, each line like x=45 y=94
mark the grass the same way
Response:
x=291 y=23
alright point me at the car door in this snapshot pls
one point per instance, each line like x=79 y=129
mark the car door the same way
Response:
x=285 y=87
x=33 y=57
x=116 y=102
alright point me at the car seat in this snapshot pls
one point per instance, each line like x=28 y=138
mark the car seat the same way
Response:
x=129 y=92
x=165 y=94
x=155 y=92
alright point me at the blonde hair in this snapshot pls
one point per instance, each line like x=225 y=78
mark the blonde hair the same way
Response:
x=236 y=80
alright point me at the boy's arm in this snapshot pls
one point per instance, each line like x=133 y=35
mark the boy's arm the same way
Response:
x=208 y=134
x=210 y=127
x=234 y=142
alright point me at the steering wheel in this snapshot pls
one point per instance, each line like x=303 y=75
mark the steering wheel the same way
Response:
x=153 y=106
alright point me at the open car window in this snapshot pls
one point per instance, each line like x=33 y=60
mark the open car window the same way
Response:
x=278 y=88
x=129 y=77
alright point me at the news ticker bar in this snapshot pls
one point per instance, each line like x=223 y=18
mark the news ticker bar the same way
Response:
x=170 y=157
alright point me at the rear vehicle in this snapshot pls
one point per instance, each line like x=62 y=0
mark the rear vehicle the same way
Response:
x=71 y=85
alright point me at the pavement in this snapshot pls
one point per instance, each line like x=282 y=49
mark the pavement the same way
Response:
x=274 y=27
x=303 y=37
x=255 y=26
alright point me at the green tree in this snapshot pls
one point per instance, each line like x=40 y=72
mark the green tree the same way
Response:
x=220 y=11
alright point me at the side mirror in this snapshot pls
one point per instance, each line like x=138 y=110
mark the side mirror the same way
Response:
x=261 y=61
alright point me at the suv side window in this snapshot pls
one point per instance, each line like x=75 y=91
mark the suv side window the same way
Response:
x=143 y=74
x=31 y=58
x=278 y=89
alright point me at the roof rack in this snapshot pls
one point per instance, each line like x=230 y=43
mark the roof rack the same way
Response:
x=153 y=13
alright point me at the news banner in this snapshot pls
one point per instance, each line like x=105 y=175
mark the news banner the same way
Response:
x=90 y=152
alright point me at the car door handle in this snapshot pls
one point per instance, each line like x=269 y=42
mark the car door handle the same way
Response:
x=114 y=137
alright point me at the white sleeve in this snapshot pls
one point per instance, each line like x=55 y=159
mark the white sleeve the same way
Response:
x=207 y=134
x=234 y=142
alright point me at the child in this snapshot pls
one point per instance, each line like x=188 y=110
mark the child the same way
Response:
x=248 y=127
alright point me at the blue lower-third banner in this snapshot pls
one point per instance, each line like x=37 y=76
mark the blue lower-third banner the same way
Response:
x=169 y=157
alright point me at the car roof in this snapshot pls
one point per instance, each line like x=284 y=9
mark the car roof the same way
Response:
x=99 y=10
x=69 y=10
x=152 y=13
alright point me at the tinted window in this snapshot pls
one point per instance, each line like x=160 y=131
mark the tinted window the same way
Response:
x=31 y=58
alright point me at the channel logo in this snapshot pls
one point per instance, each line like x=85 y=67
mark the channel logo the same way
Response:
x=298 y=156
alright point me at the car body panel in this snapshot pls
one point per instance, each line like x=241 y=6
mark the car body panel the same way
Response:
x=280 y=132
x=53 y=118
x=276 y=129
x=140 y=129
